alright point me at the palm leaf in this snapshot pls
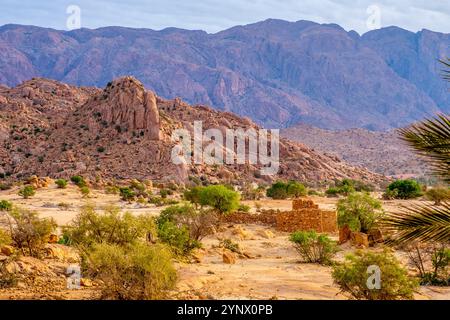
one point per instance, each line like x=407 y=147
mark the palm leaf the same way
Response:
x=446 y=72
x=431 y=139
x=419 y=223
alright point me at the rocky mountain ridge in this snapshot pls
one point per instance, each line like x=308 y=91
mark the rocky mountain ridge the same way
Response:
x=124 y=131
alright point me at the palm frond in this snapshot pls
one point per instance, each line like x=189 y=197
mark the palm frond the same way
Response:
x=431 y=139
x=419 y=223
x=446 y=72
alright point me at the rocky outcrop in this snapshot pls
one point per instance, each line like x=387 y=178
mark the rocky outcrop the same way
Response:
x=124 y=132
x=125 y=103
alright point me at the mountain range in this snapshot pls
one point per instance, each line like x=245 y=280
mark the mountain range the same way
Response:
x=275 y=72
x=124 y=131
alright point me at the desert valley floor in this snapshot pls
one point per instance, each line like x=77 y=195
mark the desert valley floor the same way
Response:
x=269 y=267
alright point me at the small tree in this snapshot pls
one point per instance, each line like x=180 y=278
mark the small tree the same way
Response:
x=126 y=194
x=313 y=247
x=28 y=232
x=111 y=226
x=27 y=192
x=61 y=183
x=296 y=189
x=134 y=272
x=406 y=189
x=219 y=197
x=352 y=276
x=359 y=211
x=438 y=195
x=278 y=190
x=193 y=195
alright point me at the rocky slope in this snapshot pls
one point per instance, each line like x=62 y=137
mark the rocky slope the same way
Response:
x=124 y=131
x=381 y=152
x=276 y=72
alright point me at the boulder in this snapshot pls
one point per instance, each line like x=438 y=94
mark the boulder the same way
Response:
x=53 y=238
x=7 y=250
x=375 y=236
x=360 y=239
x=228 y=257
x=344 y=234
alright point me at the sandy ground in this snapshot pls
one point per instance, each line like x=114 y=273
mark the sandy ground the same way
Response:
x=272 y=272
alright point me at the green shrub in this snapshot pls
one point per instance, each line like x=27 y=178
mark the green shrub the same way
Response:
x=27 y=192
x=278 y=190
x=111 y=226
x=352 y=276
x=61 y=183
x=134 y=272
x=219 y=197
x=282 y=190
x=112 y=190
x=390 y=194
x=295 y=189
x=313 y=247
x=5 y=205
x=85 y=191
x=332 y=192
x=359 y=211
x=165 y=192
x=244 y=208
x=406 y=189
x=79 y=181
x=193 y=195
x=28 y=232
x=177 y=237
x=126 y=194
x=139 y=188
x=438 y=194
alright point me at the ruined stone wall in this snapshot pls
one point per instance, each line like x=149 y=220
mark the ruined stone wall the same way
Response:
x=305 y=215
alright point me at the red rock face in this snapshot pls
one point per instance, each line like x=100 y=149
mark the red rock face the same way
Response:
x=127 y=104
x=124 y=131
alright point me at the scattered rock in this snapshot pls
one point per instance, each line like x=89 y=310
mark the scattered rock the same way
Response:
x=53 y=238
x=375 y=236
x=266 y=234
x=7 y=250
x=228 y=257
x=344 y=234
x=86 y=282
x=360 y=239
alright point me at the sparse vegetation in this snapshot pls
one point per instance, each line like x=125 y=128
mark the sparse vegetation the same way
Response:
x=61 y=183
x=134 y=272
x=111 y=226
x=313 y=247
x=282 y=190
x=438 y=195
x=78 y=181
x=29 y=233
x=352 y=277
x=27 y=192
x=432 y=263
x=85 y=191
x=126 y=194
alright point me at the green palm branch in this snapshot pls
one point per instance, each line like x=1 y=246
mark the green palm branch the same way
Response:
x=431 y=139
x=446 y=72
x=419 y=223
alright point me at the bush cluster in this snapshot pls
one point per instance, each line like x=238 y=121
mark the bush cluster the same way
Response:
x=313 y=247
x=283 y=190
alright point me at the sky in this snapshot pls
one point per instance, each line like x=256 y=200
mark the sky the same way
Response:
x=214 y=15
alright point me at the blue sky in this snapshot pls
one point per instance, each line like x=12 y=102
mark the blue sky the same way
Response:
x=214 y=15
